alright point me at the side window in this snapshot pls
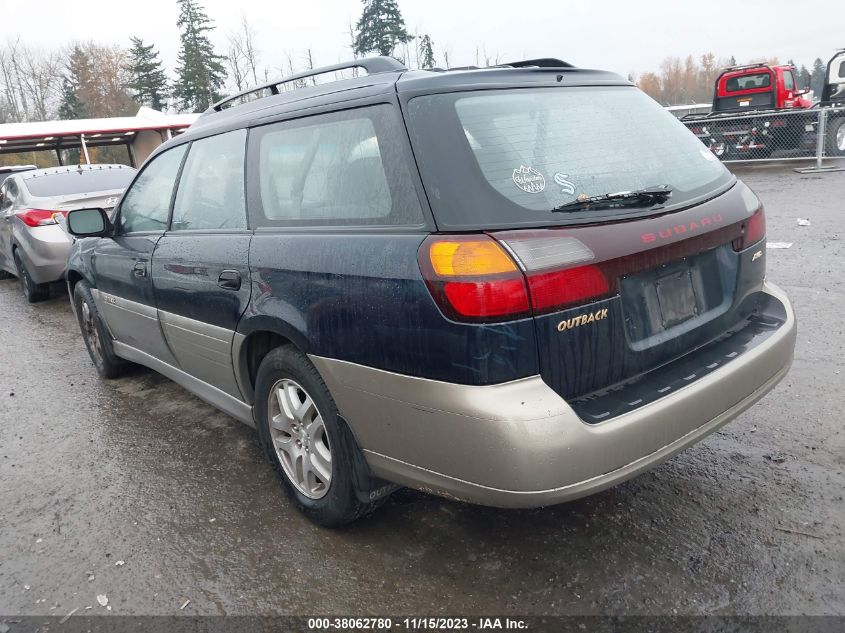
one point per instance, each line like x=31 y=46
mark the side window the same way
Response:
x=788 y=80
x=146 y=204
x=345 y=168
x=211 y=188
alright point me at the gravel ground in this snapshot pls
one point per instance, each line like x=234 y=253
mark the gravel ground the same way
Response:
x=137 y=491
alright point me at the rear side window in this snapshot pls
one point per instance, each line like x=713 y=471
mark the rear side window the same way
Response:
x=749 y=82
x=332 y=170
x=211 y=188
x=146 y=204
x=76 y=181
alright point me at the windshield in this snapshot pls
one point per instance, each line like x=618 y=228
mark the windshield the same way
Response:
x=508 y=157
x=78 y=181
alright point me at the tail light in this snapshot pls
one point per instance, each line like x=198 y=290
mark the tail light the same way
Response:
x=753 y=230
x=39 y=217
x=473 y=278
x=476 y=278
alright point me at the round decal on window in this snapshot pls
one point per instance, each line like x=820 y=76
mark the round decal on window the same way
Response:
x=529 y=179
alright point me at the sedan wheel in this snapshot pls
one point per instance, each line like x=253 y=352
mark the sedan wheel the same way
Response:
x=299 y=438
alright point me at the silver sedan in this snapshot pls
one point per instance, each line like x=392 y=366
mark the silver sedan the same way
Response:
x=33 y=244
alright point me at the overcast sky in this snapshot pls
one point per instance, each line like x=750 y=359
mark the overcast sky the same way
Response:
x=617 y=35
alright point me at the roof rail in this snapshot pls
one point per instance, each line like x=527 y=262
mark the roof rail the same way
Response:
x=543 y=62
x=371 y=64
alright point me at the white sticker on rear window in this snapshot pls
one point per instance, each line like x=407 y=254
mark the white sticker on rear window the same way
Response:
x=565 y=185
x=529 y=179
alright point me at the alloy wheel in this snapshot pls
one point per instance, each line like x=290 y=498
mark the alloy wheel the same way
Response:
x=299 y=438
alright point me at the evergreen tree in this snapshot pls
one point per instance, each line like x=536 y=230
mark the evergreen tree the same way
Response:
x=427 y=52
x=200 y=73
x=804 y=77
x=381 y=28
x=71 y=107
x=147 y=78
x=818 y=78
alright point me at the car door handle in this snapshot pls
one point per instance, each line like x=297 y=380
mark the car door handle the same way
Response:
x=140 y=269
x=230 y=280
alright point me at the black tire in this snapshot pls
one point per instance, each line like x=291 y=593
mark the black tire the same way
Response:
x=343 y=500
x=836 y=137
x=5 y=275
x=96 y=335
x=32 y=291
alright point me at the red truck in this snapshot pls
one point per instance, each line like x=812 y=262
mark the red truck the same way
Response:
x=754 y=114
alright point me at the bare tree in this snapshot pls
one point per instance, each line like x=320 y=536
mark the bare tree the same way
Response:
x=30 y=82
x=242 y=55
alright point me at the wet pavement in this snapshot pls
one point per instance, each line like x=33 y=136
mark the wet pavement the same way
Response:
x=137 y=470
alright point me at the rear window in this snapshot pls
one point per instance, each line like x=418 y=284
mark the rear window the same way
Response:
x=748 y=82
x=78 y=181
x=506 y=158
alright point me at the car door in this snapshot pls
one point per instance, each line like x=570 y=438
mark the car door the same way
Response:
x=8 y=192
x=200 y=267
x=122 y=264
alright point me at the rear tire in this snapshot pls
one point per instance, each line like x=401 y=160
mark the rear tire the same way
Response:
x=5 y=275
x=96 y=335
x=313 y=453
x=836 y=138
x=32 y=291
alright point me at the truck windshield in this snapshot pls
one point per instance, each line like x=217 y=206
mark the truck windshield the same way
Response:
x=506 y=158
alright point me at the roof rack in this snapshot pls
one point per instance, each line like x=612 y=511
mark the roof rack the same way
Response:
x=371 y=64
x=745 y=66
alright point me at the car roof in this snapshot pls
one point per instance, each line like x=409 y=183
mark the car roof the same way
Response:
x=389 y=77
x=49 y=171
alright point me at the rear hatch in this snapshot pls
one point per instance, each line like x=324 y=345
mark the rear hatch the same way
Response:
x=616 y=290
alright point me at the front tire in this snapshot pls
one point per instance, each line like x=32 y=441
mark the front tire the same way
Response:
x=32 y=291
x=836 y=138
x=96 y=335
x=313 y=453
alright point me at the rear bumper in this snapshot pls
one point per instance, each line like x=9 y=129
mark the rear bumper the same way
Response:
x=44 y=250
x=519 y=444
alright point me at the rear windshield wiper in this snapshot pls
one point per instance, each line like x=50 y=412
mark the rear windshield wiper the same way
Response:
x=647 y=196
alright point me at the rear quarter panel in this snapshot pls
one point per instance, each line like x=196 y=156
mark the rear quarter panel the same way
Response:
x=361 y=298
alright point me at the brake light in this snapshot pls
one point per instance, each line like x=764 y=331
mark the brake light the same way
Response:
x=566 y=287
x=39 y=217
x=473 y=278
x=480 y=279
x=753 y=230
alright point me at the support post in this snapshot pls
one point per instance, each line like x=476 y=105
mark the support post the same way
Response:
x=821 y=142
x=85 y=149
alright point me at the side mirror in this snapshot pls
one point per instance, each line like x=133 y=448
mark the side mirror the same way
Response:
x=88 y=223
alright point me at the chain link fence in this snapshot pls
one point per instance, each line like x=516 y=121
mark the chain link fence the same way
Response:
x=811 y=134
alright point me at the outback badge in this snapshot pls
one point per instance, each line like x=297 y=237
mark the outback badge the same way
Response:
x=582 y=319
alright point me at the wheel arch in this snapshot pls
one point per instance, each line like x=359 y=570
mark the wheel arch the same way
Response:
x=256 y=338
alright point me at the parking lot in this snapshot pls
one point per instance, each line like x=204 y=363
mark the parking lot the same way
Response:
x=137 y=491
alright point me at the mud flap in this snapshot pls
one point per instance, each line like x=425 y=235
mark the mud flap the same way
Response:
x=367 y=487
